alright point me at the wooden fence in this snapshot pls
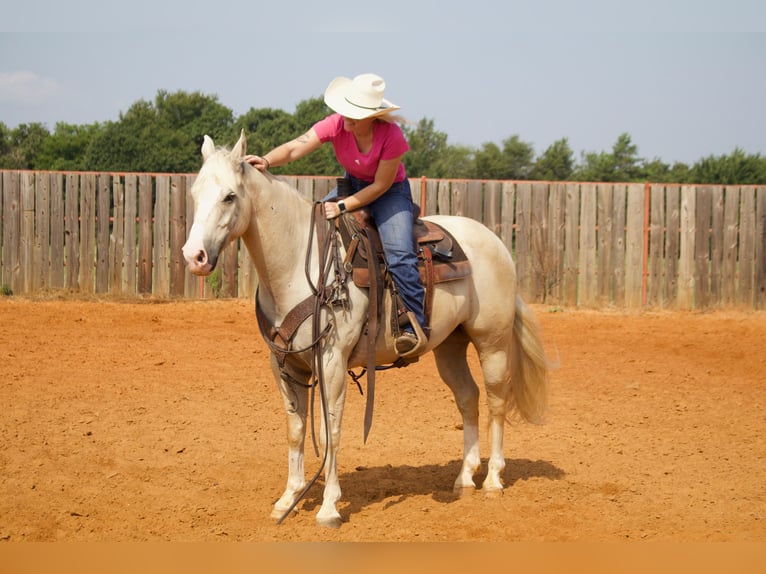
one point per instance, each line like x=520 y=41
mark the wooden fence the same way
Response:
x=586 y=244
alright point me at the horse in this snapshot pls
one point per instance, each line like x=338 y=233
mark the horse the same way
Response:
x=232 y=200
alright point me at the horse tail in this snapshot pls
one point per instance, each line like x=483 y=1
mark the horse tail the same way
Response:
x=529 y=374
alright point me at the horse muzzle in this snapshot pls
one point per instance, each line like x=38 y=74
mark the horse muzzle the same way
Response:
x=198 y=261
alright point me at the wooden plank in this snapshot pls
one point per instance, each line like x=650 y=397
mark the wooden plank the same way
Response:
x=161 y=262
x=540 y=256
x=474 y=200
x=3 y=285
x=730 y=240
x=634 y=246
x=40 y=278
x=655 y=296
x=459 y=201
x=145 y=233
x=27 y=240
x=760 y=248
x=11 y=230
x=747 y=228
x=431 y=206
x=444 y=199
x=321 y=188
x=704 y=203
x=57 y=231
x=507 y=201
x=555 y=244
x=72 y=231
x=587 y=279
x=492 y=208
x=523 y=240
x=716 y=246
x=306 y=188
x=177 y=234
x=687 y=250
x=672 y=244
x=103 y=232
x=619 y=207
x=605 y=213
x=247 y=276
x=130 y=242
x=572 y=243
x=117 y=238
x=87 y=232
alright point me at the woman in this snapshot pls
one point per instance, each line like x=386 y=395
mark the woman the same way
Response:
x=369 y=145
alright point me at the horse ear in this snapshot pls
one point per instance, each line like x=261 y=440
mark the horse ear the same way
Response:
x=208 y=147
x=240 y=148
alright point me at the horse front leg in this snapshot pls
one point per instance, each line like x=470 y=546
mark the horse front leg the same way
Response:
x=295 y=397
x=330 y=428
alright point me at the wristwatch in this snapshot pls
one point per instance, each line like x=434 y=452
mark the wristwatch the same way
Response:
x=342 y=206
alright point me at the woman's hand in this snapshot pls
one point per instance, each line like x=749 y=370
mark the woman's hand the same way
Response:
x=331 y=210
x=258 y=162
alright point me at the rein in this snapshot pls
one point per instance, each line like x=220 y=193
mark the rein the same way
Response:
x=280 y=339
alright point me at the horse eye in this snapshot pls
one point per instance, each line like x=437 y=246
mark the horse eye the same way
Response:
x=230 y=197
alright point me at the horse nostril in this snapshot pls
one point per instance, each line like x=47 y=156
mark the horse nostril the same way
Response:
x=201 y=257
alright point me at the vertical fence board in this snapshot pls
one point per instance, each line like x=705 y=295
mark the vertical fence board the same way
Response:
x=161 y=262
x=655 y=295
x=634 y=245
x=306 y=188
x=444 y=199
x=229 y=270
x=539 y=255
x=322 y=188
x=605 y=214
x=687 y=250
x=27 y=243
x=72 y=231
x=57 y=231
x=730 y=240
x=474 y=200
x=177 y=234
x=672 y=243
x=747 y=245
x=507 y=213
x=145 y=233
x=618 y=244
x=571 y=221
x=431 y=206
x=131 y=241
x=703 y=199
x=523 y=240
x=492 y=206
x=459 y=200
x=760 y=249
x=247 y=275
x=587 y=283
x=3 y=283
x=117 y=238
x=716 y=245
x=42 y=231
x=554 y=252
x=103 y=239
x=11 y=231
x=87 y=232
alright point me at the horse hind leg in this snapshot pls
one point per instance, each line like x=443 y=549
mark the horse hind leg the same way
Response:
x=452 y=365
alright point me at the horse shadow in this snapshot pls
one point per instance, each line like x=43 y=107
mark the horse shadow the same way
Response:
x=367 y=486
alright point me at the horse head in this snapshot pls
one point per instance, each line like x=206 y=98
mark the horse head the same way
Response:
x=221 y=204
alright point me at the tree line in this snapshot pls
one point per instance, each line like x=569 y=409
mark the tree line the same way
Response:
x=164 y=136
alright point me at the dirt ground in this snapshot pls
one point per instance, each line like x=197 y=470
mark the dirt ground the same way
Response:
x=159 y=421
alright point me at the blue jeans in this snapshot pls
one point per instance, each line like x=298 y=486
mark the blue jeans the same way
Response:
x=393 y=214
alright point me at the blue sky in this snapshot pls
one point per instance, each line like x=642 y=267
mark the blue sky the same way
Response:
x=685 y=78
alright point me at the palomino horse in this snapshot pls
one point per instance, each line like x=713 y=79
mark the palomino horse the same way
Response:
x=233 y=199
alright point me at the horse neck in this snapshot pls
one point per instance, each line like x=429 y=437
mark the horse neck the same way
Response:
x=277 y=239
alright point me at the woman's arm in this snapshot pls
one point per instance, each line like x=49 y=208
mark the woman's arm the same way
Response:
x=287 y=152
x=384 y=179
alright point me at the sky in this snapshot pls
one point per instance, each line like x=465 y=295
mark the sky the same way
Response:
x=686 y=79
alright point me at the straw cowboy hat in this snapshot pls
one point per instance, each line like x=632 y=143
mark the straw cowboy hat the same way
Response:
x=359 y=98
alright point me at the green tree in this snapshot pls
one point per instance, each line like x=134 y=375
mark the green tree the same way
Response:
x=66 y=147
x=622 y=164
x=556 y=163
x=427 y=146
x=733 y=169
x=519 y=158
x=21 y=145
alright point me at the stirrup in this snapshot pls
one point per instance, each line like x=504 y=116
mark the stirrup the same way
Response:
x=422 y=339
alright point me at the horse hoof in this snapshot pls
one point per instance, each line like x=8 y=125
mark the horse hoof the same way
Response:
x=279 y=513
x=493 y=492
x=330 y=522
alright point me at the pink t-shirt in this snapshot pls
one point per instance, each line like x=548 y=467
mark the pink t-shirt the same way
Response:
x=388 y=142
